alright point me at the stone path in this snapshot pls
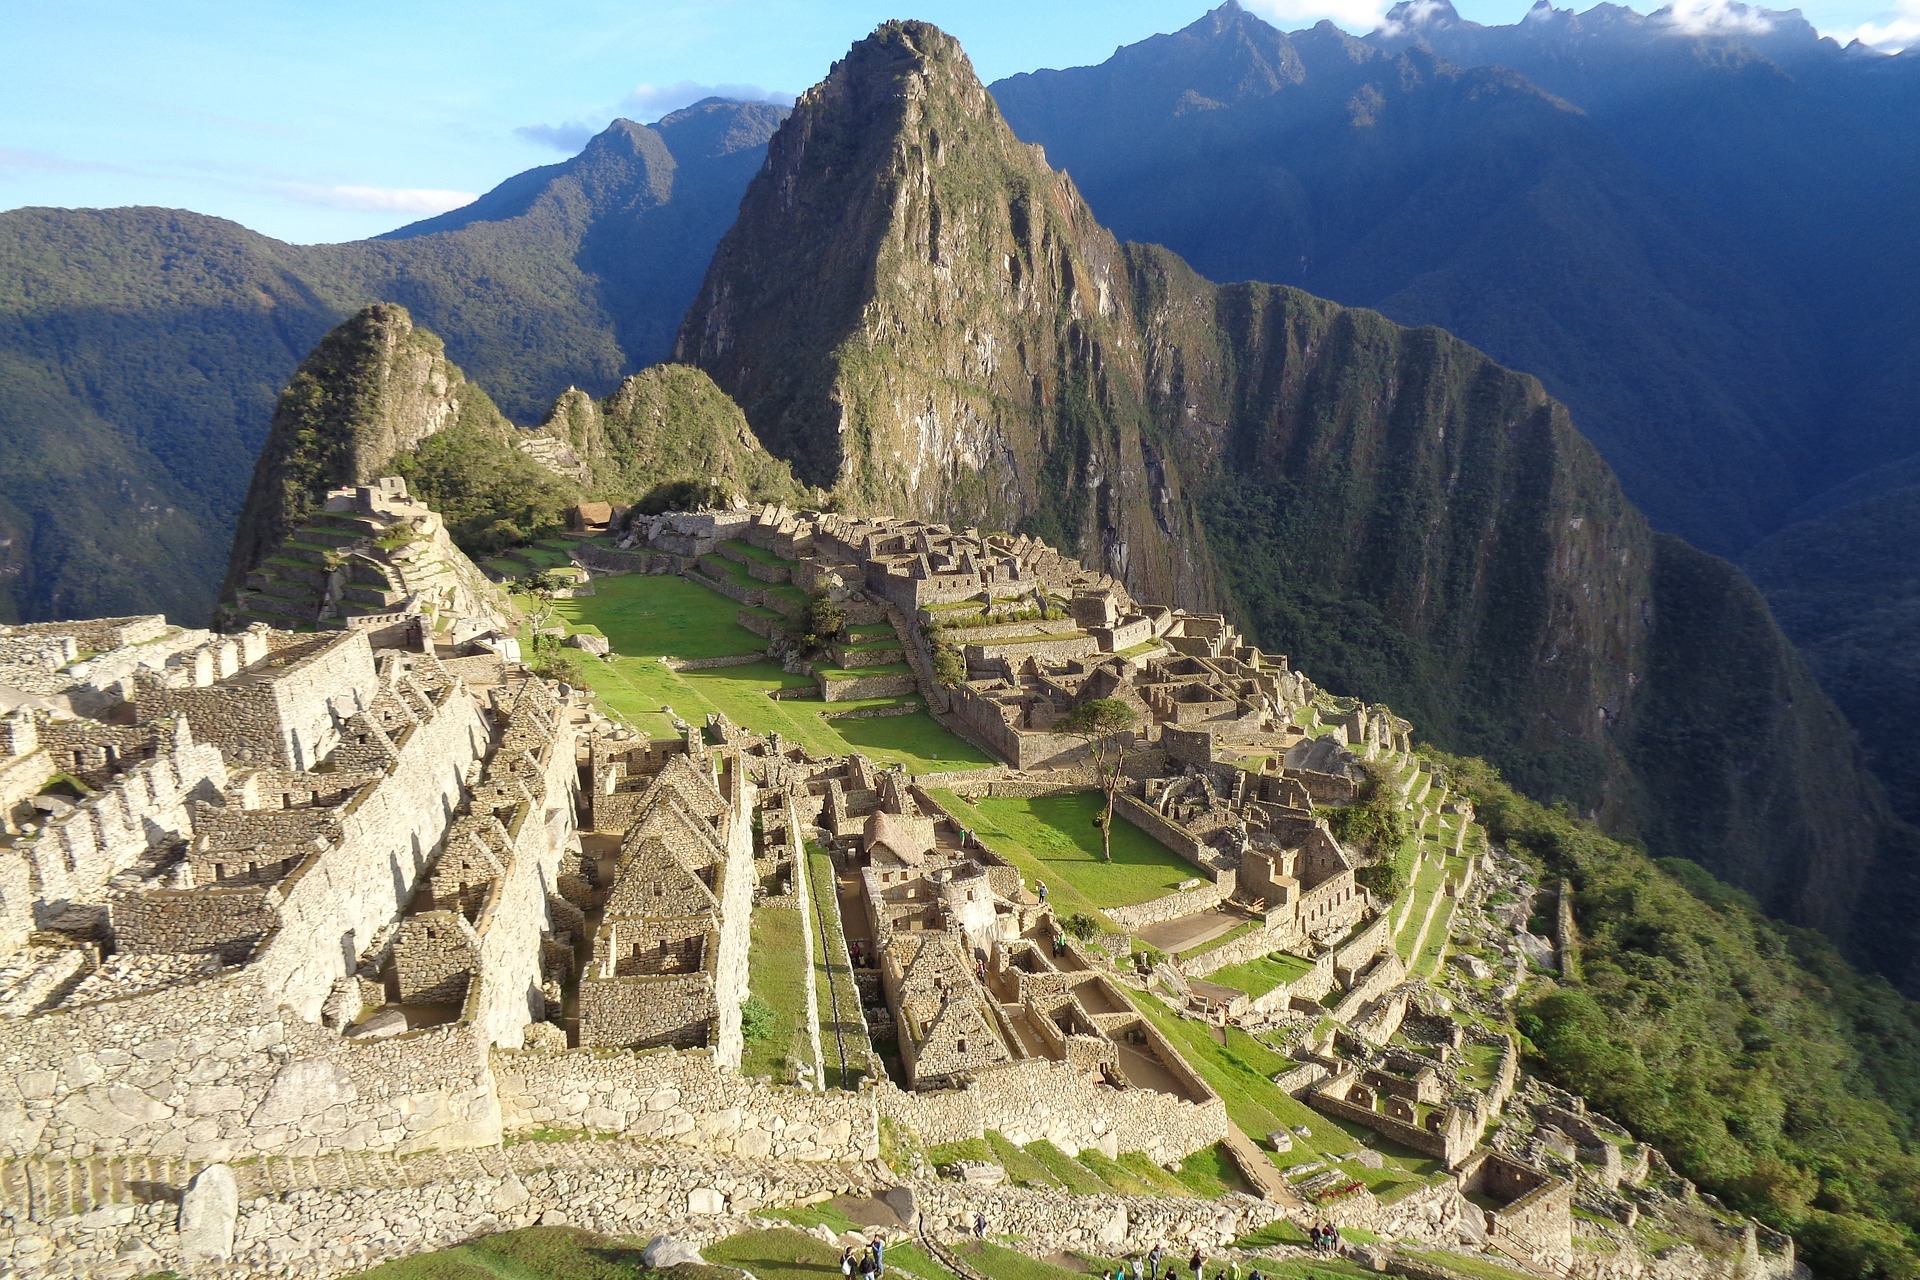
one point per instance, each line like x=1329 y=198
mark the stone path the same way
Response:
x=1254 y=1163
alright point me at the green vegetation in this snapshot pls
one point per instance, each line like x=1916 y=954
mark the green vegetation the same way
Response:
x=491 y=494
x=1241 y=1071
x=1067 y=1171
x=848 y=1054
x=647 y=617
x=782 y=1253
x=1745 y=1049
x=774 y=1017
x=532 y=1253
x=1257 y=977
x=1106 y=726
x=1054 y=839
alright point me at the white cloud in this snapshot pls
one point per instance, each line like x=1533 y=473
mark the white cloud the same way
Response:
x=1715 y=17
x=1416 y=17
x=1348 y=15
x=567 y=138
x=24 y=158
x=1901 y=30
x=648 y=102
x=378 y=199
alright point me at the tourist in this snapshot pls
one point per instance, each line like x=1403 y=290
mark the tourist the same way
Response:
x=1137 y=1270
x=1196 y=1262
x=853 y=955
x=866 y=1266
x=1153 y=1260
x=879 y=1256
x=979 y=1225
x=846 y=1262
x=1040 y=887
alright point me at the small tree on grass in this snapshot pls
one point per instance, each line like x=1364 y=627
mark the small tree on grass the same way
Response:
x=949 y=668
x=1106 y=726
x=540 y=589
x=819 y=626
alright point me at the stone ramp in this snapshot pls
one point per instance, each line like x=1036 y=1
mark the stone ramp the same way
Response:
x=1258 y=1169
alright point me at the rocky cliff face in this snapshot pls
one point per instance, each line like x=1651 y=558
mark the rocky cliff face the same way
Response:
x=374 y=388
x=919 y=312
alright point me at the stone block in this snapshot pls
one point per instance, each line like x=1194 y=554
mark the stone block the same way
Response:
x=665 y=1251
x=207 y=1215
x=705 y=1202
x=301 y=1089
x=208 y=1099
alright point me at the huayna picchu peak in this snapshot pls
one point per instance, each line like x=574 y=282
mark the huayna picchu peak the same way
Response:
x=788 y=693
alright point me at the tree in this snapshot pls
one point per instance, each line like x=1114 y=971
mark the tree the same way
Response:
x=542 y=587
x=1106 y=726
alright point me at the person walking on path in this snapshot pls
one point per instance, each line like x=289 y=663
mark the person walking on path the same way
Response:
x=879 y=1256
x=979 y=1225
x=1196 y=1262
x=1153 y=1261
x=1040 y=887
x=846 y=1262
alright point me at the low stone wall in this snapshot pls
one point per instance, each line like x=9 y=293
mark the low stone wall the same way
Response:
x=1267 y=939
x=684 y=1098
x=621 y=1190
x=708 y=664
x=1182 y=902
x=1053 y=1222
x=1036 y=1098
x=882 y=686
x=875 y=713
x=1150 y=821
x=1080 y=646
x=211 y=921
x=1387 y=972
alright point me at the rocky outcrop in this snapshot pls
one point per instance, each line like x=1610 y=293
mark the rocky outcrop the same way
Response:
x=918 y=311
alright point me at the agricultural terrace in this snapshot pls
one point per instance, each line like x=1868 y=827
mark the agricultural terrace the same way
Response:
x=1053 y=838
x=647 y=618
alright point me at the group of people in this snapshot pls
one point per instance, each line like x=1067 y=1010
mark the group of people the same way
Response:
x=869 y=1263
x=1323 y=1237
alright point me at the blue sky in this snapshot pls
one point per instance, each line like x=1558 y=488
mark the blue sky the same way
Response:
x=330 y=121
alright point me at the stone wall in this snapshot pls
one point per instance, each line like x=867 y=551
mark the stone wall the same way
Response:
x=286 y=716
x=683 y=1097
x=1149 y=820
x=1386 y=972
x=214 y=1070
x=146 y=807
x=1051 y=1221
x=334 y=902
x=672 y=1009
x=1357 y=952
x=1277 y=935
x=506 y=993
x=1037 y=1098
x=1182 y=902
x=878 y=686
x=212 y=921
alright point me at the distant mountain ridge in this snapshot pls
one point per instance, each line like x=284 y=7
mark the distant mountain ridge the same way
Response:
x=1701 y=242
x=142 y=350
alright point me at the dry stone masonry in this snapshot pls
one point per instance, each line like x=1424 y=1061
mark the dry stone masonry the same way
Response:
x=320 y=947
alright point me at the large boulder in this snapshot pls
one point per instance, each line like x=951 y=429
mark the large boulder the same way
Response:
x=207 y=1215
x=665 y=1251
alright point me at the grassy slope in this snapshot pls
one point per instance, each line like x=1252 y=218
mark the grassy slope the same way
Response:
x=776 y=976
x=649 y=617
x=1052 y=838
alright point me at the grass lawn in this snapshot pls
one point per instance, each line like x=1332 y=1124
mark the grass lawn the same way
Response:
x=1052 y=838
x=1209 y=1173
x=1067 y=1171
x=777 y=977
x=1432 y=871
x=785 y=1254
x=648 y=617
x=833 y=982
x=1467 y=1264
x=1021 y=1166
x=535 y=1253
x=1257 y=977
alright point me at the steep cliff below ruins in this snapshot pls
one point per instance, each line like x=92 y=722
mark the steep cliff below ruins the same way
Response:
x=918 y=311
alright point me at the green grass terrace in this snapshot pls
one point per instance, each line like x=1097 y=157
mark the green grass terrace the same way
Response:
x=1052 y=838
x=647 y=618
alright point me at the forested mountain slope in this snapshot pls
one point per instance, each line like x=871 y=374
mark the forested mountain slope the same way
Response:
x=141 y=350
